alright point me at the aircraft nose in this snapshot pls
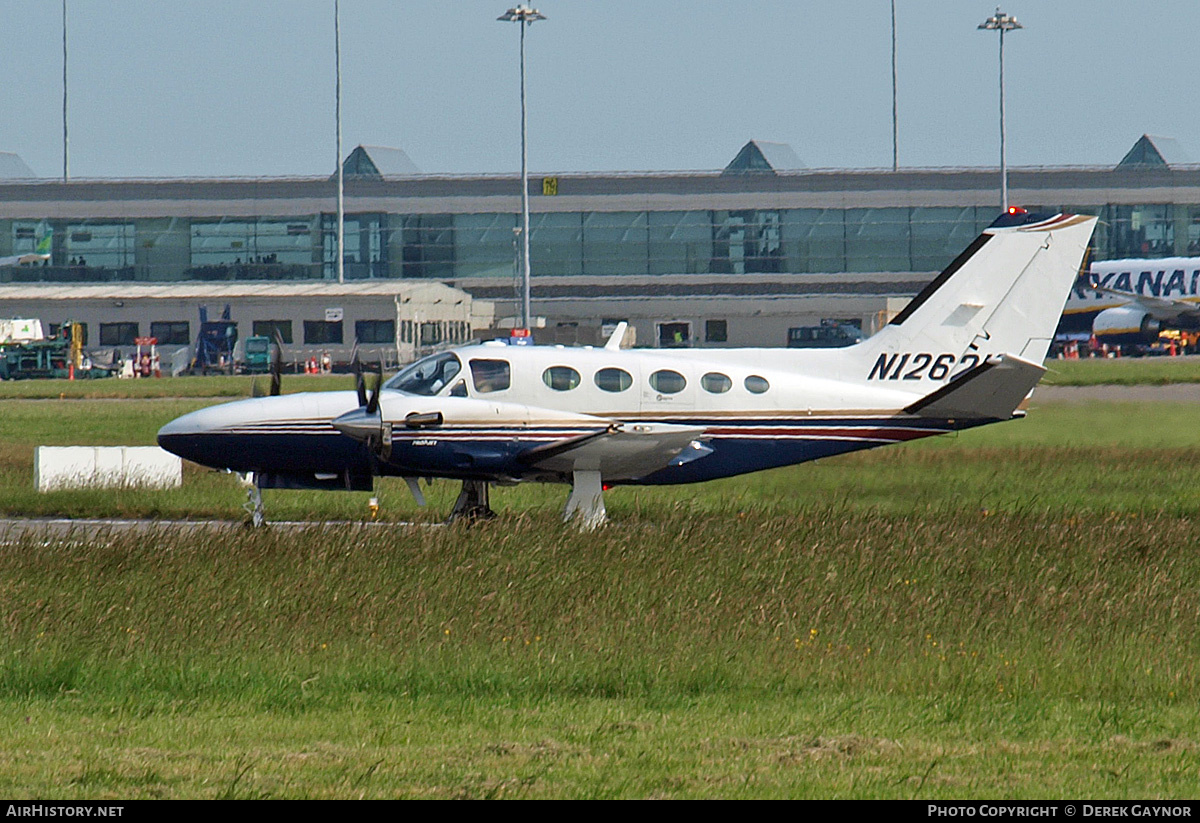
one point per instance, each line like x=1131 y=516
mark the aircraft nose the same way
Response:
x=185 y=436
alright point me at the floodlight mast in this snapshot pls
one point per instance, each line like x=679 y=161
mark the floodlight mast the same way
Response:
x=895 y=127
x=1002 y=22
x=525 y=16
x=66 y=155
x=340 y=264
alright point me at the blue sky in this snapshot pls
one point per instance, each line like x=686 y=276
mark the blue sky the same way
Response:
x=245 y=87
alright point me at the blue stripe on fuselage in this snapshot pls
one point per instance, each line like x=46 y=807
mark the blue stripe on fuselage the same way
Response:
x=741 y=446
x=733 y=455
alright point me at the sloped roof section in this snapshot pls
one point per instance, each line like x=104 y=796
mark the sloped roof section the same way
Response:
x=762 y=156
x=378 y=162
x=13 y=167
x=1151 y=151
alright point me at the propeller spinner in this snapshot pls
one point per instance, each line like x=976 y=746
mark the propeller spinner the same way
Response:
x=366 y=423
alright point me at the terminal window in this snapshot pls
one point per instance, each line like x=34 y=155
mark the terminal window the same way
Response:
x=118 y=334
x=171 y=333
x=267 y=328
x=322 y=332
x=716 y=331
x=375 y=331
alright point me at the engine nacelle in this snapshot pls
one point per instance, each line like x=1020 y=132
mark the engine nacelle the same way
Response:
x=1124 y=325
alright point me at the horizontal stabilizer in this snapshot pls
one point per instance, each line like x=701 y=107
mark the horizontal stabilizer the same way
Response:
x=992 y=390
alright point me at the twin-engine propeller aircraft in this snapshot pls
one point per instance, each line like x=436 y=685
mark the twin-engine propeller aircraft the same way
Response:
x=966 y=351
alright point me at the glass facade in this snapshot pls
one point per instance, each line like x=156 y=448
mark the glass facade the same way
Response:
x=604 y=243
x=251 y=249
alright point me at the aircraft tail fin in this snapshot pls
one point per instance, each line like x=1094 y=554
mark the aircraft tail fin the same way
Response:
x=1003 y=295
x=43 y=247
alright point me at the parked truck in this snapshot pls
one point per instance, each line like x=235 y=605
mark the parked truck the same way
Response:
x=24 y=356
x=257 y=358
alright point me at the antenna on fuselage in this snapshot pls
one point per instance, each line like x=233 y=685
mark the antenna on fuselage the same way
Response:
x=617 y=337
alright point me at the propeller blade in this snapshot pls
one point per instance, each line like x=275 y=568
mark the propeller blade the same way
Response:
x=277 y=365
x=373 y=401
x=360 y=385
x=255 y=388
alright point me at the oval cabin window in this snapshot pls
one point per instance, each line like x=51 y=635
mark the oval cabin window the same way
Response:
x=716 y=383
x=667 y=381
x=756 y=384
x=613 y=380
x=560 y=378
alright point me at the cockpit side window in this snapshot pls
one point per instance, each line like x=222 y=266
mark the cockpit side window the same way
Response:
x=427 y=376
x=490 y=375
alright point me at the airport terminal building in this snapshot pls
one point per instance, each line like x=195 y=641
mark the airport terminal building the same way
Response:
x=740 y=256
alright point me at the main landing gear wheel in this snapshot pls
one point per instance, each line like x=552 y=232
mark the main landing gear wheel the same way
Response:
x=586 y=503
x=254 y=502
x=472 y=503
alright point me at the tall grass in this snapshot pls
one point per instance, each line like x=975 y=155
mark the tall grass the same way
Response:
x=664 y=608
x=820 y=652
x=1128 y=371
x=1012 y=612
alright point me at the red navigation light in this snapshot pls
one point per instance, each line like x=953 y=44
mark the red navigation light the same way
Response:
x=1017 y=210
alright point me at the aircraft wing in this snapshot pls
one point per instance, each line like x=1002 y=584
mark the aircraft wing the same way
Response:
x=1160 y=307
x=624 y=451
x=992 y=390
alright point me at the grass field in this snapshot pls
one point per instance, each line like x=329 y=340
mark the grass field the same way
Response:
x=1126 y=371
x=1009 y=613
x=225 y=386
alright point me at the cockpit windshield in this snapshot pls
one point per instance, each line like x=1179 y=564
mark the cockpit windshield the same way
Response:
x=427 y=376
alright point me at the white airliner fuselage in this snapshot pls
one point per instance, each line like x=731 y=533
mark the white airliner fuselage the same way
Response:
x=1132 y=301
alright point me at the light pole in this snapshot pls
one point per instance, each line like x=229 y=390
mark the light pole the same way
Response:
x=525 y=16
x=895 y=130
x=340 y=265
x=66 y=156
x=1001 y=22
